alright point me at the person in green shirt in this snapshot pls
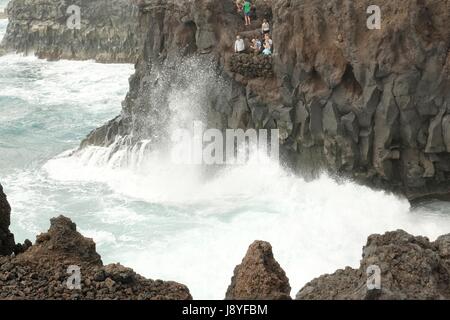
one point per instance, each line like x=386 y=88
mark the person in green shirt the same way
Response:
x=247 y=12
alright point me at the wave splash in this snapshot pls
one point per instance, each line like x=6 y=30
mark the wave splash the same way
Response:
x=196 y=224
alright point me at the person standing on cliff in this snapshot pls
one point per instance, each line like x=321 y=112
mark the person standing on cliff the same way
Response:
x=247 y=12
x=265 y=27
x=239 y=45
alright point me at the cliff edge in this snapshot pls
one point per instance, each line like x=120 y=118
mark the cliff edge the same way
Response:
x=108 y=30
x=372 y=105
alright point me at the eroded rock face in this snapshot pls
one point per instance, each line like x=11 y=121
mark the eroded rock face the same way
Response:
x=411 y=268
x=63 y=240
x=6 y=237
x=41 y=271
x=108 y=32
x=259 y=276
x=368 y=104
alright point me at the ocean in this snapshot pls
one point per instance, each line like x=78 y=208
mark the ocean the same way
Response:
x=165 y=221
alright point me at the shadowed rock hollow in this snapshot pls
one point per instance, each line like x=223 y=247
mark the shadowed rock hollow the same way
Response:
x=259 y=276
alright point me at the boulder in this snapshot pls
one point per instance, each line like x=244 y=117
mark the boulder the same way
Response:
x=43 y=272
x=408 y=267
x=259 y=276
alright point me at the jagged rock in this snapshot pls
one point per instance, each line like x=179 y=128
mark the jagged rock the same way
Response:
x=41 y=272
x=435 y=143
x=64 y=240
x=119 y=273
x=259 y=276
x=446 y=131
x=6 y=237
x=349 y=122
x=410 y=268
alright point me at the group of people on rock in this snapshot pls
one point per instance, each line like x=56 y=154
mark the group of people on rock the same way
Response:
x=259 y=45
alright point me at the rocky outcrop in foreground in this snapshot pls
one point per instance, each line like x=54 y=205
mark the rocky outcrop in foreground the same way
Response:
x=411 y=268
x=6 y=237
x=41 y=272
x=108 y=31
x=259 y=276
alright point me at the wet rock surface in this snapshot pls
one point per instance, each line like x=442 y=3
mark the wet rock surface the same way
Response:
x=410 y=268
x=108 y=30
x=7 y=243
x=41 y=272
x=259 y=276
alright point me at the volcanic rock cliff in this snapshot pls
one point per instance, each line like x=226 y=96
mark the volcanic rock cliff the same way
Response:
x=373 y=105
x=108 y=30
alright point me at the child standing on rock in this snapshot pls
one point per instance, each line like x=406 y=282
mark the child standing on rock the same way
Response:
x=247 y=12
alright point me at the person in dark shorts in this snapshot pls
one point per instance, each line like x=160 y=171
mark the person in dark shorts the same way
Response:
x=247 y=12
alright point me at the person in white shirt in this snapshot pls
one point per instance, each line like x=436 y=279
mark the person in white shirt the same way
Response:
x=239 y=45
x=265 y=28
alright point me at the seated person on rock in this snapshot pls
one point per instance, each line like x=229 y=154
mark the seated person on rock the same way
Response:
x=268 y=40
x=256 y=46
x=267 y=49
x=239 y=45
